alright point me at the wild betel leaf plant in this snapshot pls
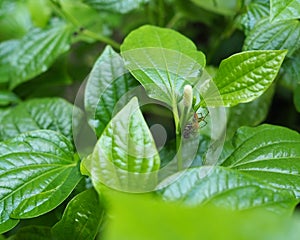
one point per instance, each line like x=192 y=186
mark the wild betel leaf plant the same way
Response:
x=100 y=170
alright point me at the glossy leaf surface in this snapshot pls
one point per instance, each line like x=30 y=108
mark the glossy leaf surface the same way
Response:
x=274 y=36
x=270 y=153
x=38 y=171
x=35 y=52
x=81 y=219
x=285 y=9
x=163 y=61
x=227 y=188
x=108 y=81
x=245 y=76
x=125 y=157
x=48 y=113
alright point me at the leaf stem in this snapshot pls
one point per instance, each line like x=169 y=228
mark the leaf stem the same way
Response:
x=101 y=38
x=174 y=20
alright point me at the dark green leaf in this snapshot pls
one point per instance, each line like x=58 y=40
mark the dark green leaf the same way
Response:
x=249 y=114
x=270 y=153
x=37 y=173
x=81 y=219
x=125 y=156
x=284 y=9
x=122 y=6
x=227 y=188
x=163 y=61
x=107 y=83
x=49 y=113
x=255 y=11
x=229 y=7
x=32 y=233
x=244 y=76
x=36 y=51
x=274 y=36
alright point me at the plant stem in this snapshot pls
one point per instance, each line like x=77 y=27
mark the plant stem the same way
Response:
x=57 y=8
x=101 y=38
x=178 y=136
x=174 y=20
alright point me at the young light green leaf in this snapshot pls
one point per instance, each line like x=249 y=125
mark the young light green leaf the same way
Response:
x=38 y=172
x=36 y=51
x=244 y=76
x=123 y=6
x=269 y=153
x=229 y=7
x=227 y=188
x=255 y=11
x=284 y=9
x=125 y=157
x=108 y=81
x=297 y=97
x=48 y=113
x=32 y=233
x=81 y=219
x=274 y=36
x=249 y=114
x=162 y=221
x=163 y=61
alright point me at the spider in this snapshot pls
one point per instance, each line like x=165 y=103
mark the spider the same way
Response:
x=192 y=127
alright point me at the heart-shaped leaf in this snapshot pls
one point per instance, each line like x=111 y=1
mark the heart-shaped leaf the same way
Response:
x=227 y=188
x=125 y=157
x=244 y=76
x=270 y=153
x=38 y=171
x=163 y=61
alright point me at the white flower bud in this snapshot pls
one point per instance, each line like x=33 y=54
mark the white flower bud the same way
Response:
x=187 y=96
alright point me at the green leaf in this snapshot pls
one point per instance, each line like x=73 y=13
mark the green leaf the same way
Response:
x=244 y=76
x=249 y=114
x=7 y=97
x=37 y=173
x=163 y=61
x=255 y=11
x=122 y=6
x=297 y=97
x=107 y=83
x=230 y=7
x=81 y=219
x=227 y=188
x=49 y=113
x=270 y=153
x=290 y=75
x=274 y=36
x=283 y=10
x=137 y=217
x=5 y=52
x=36 y=51
x=32 y=233
x=125 y=157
